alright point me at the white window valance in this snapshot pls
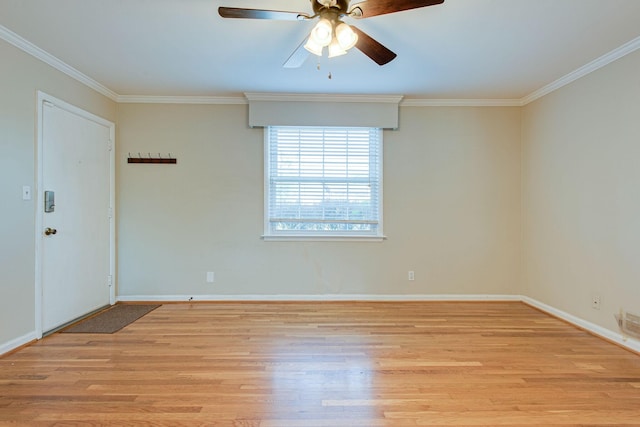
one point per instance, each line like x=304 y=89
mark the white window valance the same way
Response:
x=323 y=110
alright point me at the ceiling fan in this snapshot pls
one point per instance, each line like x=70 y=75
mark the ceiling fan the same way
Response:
x=330 y=31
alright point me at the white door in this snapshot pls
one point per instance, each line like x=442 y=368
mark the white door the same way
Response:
x=75 y=262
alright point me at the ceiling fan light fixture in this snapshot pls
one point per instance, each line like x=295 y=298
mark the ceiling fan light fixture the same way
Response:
x=330 y=26
x=347 y=38
x=322 y=33
x=313 y=47
x=335 y=49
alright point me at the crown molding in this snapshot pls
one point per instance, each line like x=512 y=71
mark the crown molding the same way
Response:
x=592 y=66
x=284 y=97
x=33 y=50
x=300 y=97
x=38 y=53
x=206 y=100
x=415 y=102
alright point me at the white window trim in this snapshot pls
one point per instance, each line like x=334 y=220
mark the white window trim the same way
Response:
x=314 y=238
x=326 y=236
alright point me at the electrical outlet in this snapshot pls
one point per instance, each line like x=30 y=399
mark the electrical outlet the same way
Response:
x=411 y=276
x=211 y=277
x=596 y=302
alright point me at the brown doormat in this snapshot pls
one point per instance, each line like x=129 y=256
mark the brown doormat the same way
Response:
x=112 y=319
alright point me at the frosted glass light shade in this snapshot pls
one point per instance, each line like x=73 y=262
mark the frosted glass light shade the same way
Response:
x=347 y=38
x=313 y=47
x=322 y=33
x=335 y=49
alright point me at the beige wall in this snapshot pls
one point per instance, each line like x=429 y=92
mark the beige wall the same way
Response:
x=20 y=77
x=541 y=201
x=581 y=194
x=451 y=209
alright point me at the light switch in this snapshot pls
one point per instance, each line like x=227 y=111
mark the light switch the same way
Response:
x=26 y=192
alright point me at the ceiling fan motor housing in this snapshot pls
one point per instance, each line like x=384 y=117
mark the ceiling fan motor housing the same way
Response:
x=340 y=6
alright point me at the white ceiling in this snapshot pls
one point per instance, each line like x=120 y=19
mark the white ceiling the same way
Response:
x=462 y=49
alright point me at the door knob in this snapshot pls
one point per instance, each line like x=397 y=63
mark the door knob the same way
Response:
x=49 y=231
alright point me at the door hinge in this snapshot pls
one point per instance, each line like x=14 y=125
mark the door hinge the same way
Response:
x=110 y=280
x=110 y=213
x=110 y=145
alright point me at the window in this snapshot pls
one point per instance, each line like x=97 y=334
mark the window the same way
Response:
x=323 y=182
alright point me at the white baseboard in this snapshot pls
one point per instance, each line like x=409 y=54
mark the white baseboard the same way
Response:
x=616 y=337
x=327 y=297
x=17 y=342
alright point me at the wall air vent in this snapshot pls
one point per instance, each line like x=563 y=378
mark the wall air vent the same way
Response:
x=629 y=323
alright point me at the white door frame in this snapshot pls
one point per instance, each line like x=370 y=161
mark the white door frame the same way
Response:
x=41 y=99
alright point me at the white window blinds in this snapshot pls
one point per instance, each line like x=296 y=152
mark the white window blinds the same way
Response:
x=323 y=181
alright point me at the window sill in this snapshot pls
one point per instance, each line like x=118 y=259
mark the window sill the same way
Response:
x=335 y=238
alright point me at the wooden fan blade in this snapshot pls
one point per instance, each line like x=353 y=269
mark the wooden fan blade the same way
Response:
x=236 y=12
x=298 y=56
x=373 y=49
x=371 y=8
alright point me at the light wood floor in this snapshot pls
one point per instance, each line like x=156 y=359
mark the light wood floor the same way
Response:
x=326 y=364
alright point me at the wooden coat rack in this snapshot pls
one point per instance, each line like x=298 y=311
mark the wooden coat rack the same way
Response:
x=150 y=159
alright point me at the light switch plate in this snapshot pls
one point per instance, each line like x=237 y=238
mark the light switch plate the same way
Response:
x=26 y=192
